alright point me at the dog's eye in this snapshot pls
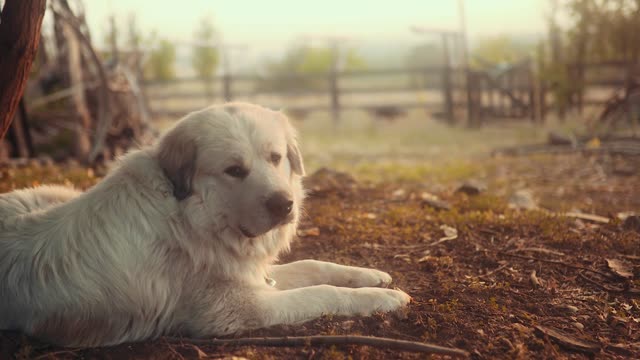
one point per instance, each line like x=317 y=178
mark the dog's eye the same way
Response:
x=275 y=158
x=236 y=171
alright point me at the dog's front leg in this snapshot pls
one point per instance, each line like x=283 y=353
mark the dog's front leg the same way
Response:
x=305 y=273
x=228 y=309
x=303 y=304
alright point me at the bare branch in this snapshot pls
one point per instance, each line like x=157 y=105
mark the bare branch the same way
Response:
x=104 y=116
x=385 y=343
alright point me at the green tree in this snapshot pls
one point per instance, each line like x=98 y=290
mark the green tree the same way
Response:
x=205 y=58
x=160 y=64
x=499 y=50
x=288 y=73
x=603 y=30
x=597 y=30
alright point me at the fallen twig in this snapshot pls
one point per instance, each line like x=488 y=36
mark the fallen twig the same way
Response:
x=444 y=239
x=609 y=288
x=540 y=250
x=449 y=234
x=54 y=354
x=489 y=273
x=620 y=269
x=567 y=340
x=534 y=280
x=379 y=342
x=588 y=217
x=563 y=263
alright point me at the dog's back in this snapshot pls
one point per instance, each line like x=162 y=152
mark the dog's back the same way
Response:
x=21 y=202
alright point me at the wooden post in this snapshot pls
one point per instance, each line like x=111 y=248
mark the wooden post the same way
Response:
x=226 y=87
x=491 y=97
x=474 y=104
x=509 y=88
x=446 y=81
x=334 y=94
x=226 y=76
x=468 y=80
x=334 y=91
x=533 y=114
x=518 y=111
x=581 y=87
x=542 y=102
x=629 y=84
x=20 y=23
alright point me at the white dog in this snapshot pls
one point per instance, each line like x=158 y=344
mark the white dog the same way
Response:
x=180 y=238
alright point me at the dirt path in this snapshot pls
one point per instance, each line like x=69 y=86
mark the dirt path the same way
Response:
x=512 y=284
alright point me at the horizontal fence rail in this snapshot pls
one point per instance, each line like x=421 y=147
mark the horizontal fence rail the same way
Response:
x=514 y=93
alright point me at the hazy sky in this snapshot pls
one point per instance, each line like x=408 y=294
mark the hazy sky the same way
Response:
x=261 y=23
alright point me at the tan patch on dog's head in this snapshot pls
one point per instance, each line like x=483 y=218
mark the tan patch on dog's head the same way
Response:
x=177 y=157
x=293 y=151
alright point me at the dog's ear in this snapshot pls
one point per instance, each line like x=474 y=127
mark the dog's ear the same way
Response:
x=293 y=151
x=295 y=158
x=177 y=155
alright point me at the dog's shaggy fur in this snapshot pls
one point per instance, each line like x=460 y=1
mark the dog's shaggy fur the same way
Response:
x=179 y=238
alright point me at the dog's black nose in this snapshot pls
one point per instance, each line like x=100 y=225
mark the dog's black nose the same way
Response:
x=279 y=205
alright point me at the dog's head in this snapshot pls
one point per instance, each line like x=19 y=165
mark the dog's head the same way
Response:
x=234 y=167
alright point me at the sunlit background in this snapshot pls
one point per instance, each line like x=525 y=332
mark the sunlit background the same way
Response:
x=382 y=89
x=377 y=30
x=485 y=153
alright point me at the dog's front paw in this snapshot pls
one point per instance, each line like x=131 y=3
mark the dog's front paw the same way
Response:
x=383 y=300
x=395 y=300
x=369 y=278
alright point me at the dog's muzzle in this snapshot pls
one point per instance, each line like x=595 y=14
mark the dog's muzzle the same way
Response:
x=279 y=205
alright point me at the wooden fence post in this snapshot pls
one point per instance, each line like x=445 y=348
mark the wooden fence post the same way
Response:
x=533 y=113
x=209 y=83
x=543 y=101
x=448 y=94
x=226 y=86
x=473 y=113
x=491 y=93
x=334 y=93
x=446 y=82
x=510 y=88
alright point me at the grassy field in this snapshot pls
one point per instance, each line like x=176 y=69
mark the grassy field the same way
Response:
x=414 y=147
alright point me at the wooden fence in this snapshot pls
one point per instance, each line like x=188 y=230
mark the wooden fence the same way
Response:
x=452 y=94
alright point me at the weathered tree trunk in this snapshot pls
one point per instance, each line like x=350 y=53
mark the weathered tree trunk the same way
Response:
x=19 y=135
x=20 y=23
x=81 y=129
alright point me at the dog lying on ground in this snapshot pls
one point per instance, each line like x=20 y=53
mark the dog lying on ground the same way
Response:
x=180 y=238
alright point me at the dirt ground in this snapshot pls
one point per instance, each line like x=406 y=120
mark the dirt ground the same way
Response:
x=485 y=277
